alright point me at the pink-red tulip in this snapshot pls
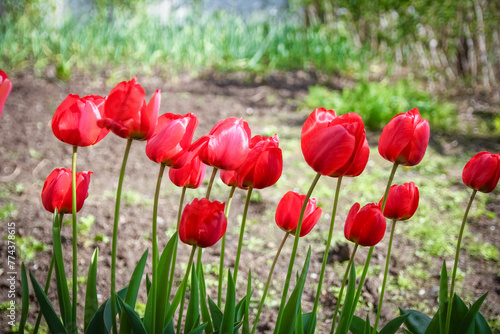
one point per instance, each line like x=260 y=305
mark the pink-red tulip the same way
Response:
x=227 y=144
x=288 y=213
x=365 y=227
x=171 y=139
x=335 y=145
x=402 y=201
x=127 y=114
x=5 y=88
x=203 y=223
x=190 y=175
x=405 y=138
x=229 y=179
x=263 y=166
x=56 y=191
x=482 y=172
x=75 y=120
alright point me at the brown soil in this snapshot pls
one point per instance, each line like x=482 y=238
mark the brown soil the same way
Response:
x=29 y=152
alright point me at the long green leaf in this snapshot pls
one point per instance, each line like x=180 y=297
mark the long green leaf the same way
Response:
x=107 y=309
x=96 y=324
x=468 y=320
x=458 y=312
x=368 y=328
x=393 y=325
x=481 y=325
x=62 y=284
x=91 y=303
x=349 y=307
x=358 y=325
x=25 y=295
x=443 y=298
x=291 y=308
x=299 y=327
x=170 y=311
x=53 y=321
x=417 y=322
x=306 y=320
x=229 y=310
x=199 y=329
x=193 y=311
x=205 y=313
x=246 y=320
x=216 y=314
x=133 y=318
x=433 y=325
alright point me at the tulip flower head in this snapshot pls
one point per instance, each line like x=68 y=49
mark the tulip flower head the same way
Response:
x=263 y=166
x=402 y=201
x=228 y=177
x=203 y=223
x=190 y=175
x=288 y=213
x=335 y=145
x=482 y=172
x=5 y=88
x=365 y=227
x=75 y=120
x=56 y=191
x=171 y=139
x=127 y=114
x=227 y=144
x=405 y=138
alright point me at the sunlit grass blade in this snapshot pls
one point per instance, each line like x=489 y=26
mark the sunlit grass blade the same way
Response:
x=25 y=295
x=91 y=304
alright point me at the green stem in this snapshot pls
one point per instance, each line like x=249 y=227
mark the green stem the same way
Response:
x=155 y=247
x=174 y=258
x=222 y=249
x=115 y=236
x=75 y=240
x=455 y=266
x=184 y=284
x=242 y=231
x=385 y=277
x=339 y=300
x=266 y=288
x=370 y=252
x=47 y=283
x=212 y=178
x=294 y=250
x=327 y=250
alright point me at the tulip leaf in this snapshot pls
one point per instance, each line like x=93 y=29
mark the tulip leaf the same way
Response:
x=307 y=318
x=360 y=326
x=392 y=326
x=216 y=314
x=91 y=303
x=170 y=310
x=443 y=298
x=293 y=304
x=240 y=310
x=107 y=309
x=349 y=307
x=62 y=284
x=96 y=324
x=468 y=320
x=227 y=324
x=417 y=322
x=148 y=284
x=368 y=328
x=481 y=325
x=458 y=312
x=246 y=320
x=132 y=317
x=199 y=329
x=53 y=321
x=25 y=293
x=299 y=327
x=205 y=314
x=193 y=310
x=433 y=325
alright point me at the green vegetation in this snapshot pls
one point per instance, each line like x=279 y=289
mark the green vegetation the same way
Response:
x=28 y=247
x=7 y=211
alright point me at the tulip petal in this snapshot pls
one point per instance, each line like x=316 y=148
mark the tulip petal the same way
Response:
x=395 y=136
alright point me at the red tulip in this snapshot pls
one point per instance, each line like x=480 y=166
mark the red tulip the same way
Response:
x=365 y=227
x=288 y=213
x=56 y=192
x=127 y=114
x=171 y=139
x=229 y=179
x=75 y=120
x=263 y=166
x=334 y=145
x=5 y=88
x=202 y=223
x=402 y=201
x=405 y=138
x=190 y=175
x=227 y=144
x=482 y=172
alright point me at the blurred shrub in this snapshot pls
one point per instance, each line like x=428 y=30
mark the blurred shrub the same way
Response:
x=378 y=102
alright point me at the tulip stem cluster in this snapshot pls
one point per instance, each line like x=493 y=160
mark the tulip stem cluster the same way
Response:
x=75 y=236
x=455 y=266
x=223 y=248
x=266 y=287
x=294 y=250
x=115 y=235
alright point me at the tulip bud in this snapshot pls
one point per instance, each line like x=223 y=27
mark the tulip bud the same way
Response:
x=405 y=138
x=365 y=227
x=203 y=223
x=288 y=213
x=56 y=192
x=75 y=120
x=402 y=201
x=334 y=145
x=482 y=172
x=190 y=175
x=5 y=88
